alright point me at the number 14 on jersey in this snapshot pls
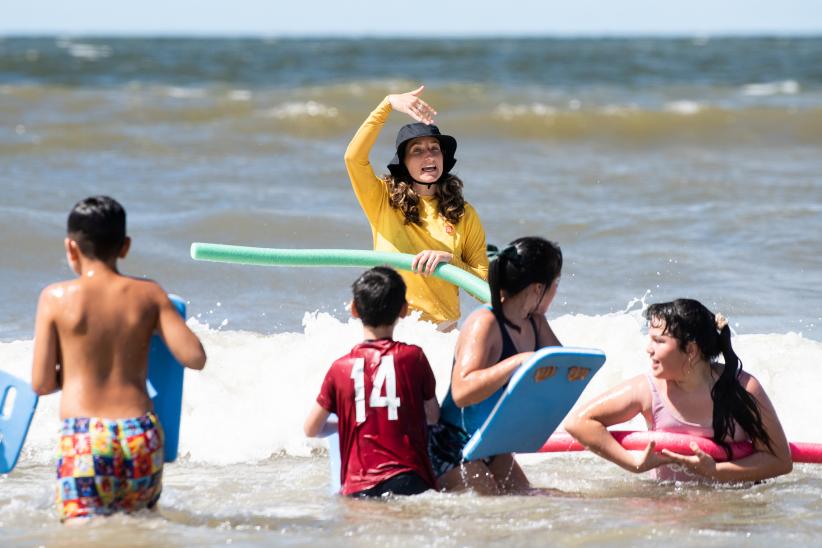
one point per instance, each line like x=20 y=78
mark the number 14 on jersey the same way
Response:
x=386 y=376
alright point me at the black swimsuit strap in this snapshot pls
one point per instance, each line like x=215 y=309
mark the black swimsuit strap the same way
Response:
x=508 y=347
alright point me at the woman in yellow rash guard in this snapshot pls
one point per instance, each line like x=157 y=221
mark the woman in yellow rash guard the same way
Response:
x=418 y=208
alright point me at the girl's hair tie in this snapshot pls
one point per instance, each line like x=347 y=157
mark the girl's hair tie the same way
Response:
x=509 y=252
x=720 y=321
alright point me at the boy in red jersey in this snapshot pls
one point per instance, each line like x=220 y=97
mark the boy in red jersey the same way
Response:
x=383 y=393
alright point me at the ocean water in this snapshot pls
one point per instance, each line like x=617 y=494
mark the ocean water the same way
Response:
x=663 y=167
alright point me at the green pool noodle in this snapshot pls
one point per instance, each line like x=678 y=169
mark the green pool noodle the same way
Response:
x=360 y=258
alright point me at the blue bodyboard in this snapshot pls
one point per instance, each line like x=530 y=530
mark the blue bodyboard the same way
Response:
x=334 y=463
x=15 y=418
x=539 y=395
x=165 y=387
x=331 y=433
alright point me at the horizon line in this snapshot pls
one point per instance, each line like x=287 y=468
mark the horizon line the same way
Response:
x=409 y=36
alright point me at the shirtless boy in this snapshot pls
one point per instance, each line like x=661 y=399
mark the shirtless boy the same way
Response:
x=383 y=394
x=91 y=341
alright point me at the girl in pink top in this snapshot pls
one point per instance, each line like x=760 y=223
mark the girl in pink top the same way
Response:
x=687 y=391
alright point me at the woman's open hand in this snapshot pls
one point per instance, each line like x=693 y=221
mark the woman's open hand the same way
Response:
x=411 y=104
x=426 y=261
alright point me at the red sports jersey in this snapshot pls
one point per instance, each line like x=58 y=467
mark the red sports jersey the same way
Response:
x=378 y=392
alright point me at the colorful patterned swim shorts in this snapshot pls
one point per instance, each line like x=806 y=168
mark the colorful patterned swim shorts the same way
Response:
x=109 y=465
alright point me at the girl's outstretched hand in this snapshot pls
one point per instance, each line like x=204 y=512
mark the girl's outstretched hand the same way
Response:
x=411 y=104
x=426 y=261
x=649 y=459
x=700 y=462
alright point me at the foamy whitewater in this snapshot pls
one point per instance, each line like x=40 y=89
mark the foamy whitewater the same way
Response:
x=664 y=168
x=257 y=389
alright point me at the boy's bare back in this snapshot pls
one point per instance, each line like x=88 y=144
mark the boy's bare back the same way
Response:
x=91 y=339
x=98 y=328
x=92 y=334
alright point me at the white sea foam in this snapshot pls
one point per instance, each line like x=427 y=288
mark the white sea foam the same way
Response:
x=784 y=87
x=90 y=52
x=250 y=401
x=508 y=112
x=312 y=109
x=684 y=108
x=183 y=93
x=239 y=95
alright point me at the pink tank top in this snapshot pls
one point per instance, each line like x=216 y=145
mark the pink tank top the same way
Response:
x=664 y=419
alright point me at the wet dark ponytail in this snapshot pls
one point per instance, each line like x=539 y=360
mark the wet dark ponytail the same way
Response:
x=524 y=261
x=688 y=320
x=731 y=401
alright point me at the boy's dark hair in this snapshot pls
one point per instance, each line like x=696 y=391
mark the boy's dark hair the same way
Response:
x=98 y=225
x=379 y=294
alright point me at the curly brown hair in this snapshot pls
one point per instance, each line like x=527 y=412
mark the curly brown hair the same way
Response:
x=402 y=196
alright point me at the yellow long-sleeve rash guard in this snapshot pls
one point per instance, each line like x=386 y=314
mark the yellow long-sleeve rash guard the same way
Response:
x=437 y=299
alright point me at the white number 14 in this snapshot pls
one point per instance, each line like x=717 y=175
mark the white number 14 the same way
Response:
x=385 y=376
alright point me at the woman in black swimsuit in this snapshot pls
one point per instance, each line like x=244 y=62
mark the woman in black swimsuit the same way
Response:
x=493 y=343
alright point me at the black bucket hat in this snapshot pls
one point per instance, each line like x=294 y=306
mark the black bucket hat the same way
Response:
x=418 y=129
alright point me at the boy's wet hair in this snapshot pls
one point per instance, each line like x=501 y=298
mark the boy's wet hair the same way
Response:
x=379 y=294
x=98 y=225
